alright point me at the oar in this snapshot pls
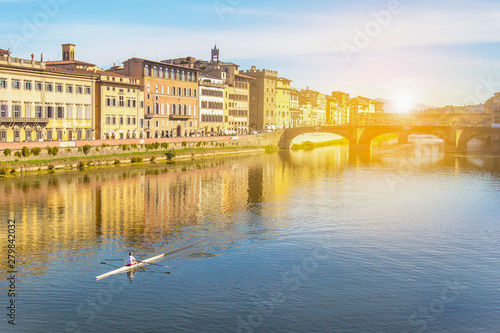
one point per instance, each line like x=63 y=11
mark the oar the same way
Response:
x=114 y=259
x=149 y=263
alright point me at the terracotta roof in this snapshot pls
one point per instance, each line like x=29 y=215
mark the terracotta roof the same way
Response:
x=2 y=51
x=165 y=64
x=69 y=62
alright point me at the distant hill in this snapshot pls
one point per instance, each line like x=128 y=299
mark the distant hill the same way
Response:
x=392 y=107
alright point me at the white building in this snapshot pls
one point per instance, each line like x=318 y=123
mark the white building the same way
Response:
x=211 y=97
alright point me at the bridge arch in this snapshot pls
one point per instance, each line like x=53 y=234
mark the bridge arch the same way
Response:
x=473 y=133
x=365 y=140
x=290 y=134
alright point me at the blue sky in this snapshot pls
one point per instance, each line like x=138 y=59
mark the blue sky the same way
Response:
x=437 y=53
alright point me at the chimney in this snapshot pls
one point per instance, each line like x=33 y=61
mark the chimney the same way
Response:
x=68 y=52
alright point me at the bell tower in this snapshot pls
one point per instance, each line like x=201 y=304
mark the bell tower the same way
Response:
x=68 y=51
x=215 y=54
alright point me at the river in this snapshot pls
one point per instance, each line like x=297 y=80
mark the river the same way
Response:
x=402 y=239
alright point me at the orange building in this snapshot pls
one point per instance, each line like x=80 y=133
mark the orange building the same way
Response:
x=170 y=97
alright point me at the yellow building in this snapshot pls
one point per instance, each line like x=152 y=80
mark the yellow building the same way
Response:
x=283 y=103
x=119 y=107
x=40 y=103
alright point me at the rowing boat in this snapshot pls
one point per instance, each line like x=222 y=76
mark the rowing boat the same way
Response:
x=130 y=268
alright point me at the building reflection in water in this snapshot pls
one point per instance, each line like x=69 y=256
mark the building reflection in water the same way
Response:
x=78 y=212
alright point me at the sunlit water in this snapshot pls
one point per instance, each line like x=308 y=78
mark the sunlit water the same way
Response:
x=405 y=239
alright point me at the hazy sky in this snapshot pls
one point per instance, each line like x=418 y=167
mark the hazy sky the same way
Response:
x=434 y=52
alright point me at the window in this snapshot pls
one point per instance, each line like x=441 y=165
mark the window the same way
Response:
x=88 y=134
x=59 y=88
x=28 y=135
x=49 y=135
x=38 y=86
x=17 y=135
x=69 y=89
x=60 y=112
x=16 y=84
x=3 y=135
x=38 y=111
x=148 y=87
x=28 y=85
x=128 y=121
x=3 y=83
x=4 y=110
x=88 y=114
x=59 y=134
x=70 y=111
x=79 y=90
x=88 y=90
x=79 y=134
x=134 y=121
x=122 y=101
x=39 y=135
x=49 y=87
x=50 y=111
x=121 y=121
x=27 y=109
x=79 y=112
x=113 y=120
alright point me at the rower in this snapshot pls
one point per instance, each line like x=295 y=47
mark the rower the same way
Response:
x=131 y=261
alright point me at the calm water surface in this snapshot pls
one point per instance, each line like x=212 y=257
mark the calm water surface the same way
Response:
x=405 y=239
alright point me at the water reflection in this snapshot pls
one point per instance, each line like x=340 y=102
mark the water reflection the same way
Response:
x=74 y=212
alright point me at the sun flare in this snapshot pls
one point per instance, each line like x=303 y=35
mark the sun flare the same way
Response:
x=404 y=103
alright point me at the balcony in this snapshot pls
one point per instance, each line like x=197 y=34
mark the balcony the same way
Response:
x=182 y=117
x=12 y=121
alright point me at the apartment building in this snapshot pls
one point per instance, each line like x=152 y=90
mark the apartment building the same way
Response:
x=283 y=103
x=262 y=98
x=211 y=98
x=43 y=103
x=170 y=97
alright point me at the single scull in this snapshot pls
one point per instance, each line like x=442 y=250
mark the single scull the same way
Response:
x=130 y=268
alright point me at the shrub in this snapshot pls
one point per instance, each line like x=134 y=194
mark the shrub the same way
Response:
x=117 y=162
x=156 y=145
x=125 y=147
x=36 y=151
x=97 y=149
x=18 y=154
x=7 y=152
x=3 y=170
x=68 y=150
x=25 y=152
x=12 y=170
x=153 y=158
x=198 y=144
x=170 y=154
x=52 y=151
x=184 y=143
x=81 y=165
x=164 y=145
x=51 y=167
x=136 y=159
x=134 y=146
x=86 y=149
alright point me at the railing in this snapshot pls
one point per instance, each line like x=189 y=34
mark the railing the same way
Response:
x=11 y=120
x=182 y=117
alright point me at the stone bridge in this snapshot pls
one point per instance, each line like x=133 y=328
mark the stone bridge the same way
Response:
x=360 y=137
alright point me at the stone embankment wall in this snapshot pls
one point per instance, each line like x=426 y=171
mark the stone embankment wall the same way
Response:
x=109 y=147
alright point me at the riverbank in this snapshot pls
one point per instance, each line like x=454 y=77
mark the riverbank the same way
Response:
x=125 y=156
